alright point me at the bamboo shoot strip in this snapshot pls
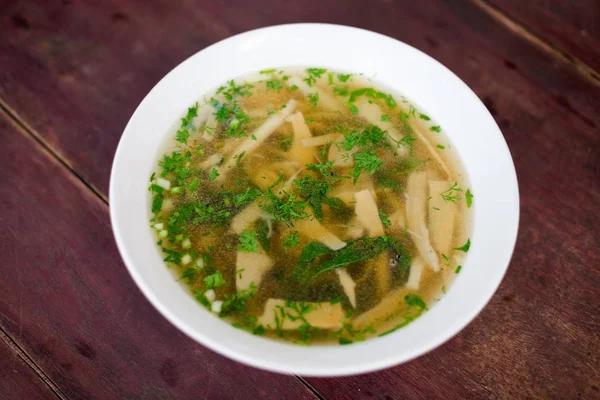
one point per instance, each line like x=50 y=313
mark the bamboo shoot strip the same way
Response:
x=250 y=268
x=348 y=285
x=203 y=113
x=245 y=218
x=258 y=137
x=442 y=214
x=367 y=212
x=315 y=231
x=287 y=315
x=298 y=152
x=416 y=198
x=436 y=155
x=414 y=278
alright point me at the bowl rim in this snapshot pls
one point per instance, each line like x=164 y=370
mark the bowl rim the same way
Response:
x=289 y=368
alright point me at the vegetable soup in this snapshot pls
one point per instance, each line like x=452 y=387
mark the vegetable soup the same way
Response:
x=311 y=206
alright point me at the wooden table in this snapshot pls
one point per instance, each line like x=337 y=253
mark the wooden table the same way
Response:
x=73 y=324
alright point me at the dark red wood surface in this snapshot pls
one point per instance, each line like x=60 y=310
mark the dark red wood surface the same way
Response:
x=573 y=26
x=17 y=379
x=74 y=73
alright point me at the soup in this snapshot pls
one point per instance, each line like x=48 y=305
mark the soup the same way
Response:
x=311 y=206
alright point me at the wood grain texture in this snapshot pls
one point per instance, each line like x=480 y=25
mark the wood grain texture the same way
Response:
x=573 y=26
x=69 y=302
x=17 y=380
x=75 y=72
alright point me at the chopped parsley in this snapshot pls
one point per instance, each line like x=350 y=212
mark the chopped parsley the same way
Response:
x=458 y=268
x=341 y=90
x=291 y=240
x=436 y=128
x=287 y=209
x=373 y=94
x=214 y=281
x=353 y=109
x=385 y=219
x=274 y=84
x=366 y=161
x=451 y=194
x=248 y=242
x=465 y=247
x=469 y=198
x=232 y=117
x=343 y=77
x=439 y=146
x=214 y=173
x=313 y=75
x=314 y=99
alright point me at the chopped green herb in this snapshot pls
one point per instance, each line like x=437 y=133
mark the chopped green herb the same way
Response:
x=275 y=85
x=353 y=109
x=343 y=77
x=286 y=143
x=365 y=161
x=439 y=146
x=436 y=128
x=214 y=173
x=451 y=194
x=314 y=74
x=189 y=274
x=344 y=341
x=341 y=90
x=214 y=281
x=267 y=71
x=248 y=242
x=157 y=201
x=424 y=117
x=236 y=303
x=374 y=94
x=314 y=99
x=194 y=184
x=238 y=157
x=286 y=209
x=465 y=247
x=469 y=198
x=354 y=251
x=385 y=118
x=385 y=219
x=182 y=135
x=263 y=234
x=291 y=240
x=458 y=268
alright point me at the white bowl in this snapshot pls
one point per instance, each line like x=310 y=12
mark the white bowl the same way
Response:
x=394 y=64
